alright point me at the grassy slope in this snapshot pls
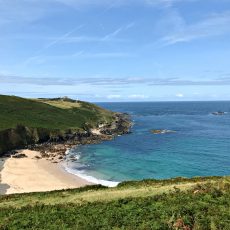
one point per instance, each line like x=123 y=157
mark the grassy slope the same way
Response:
x=200 y=203
x=49 y=114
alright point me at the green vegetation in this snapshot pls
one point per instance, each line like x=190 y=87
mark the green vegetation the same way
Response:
x=50 y=114
x=180 y=203
x=27 y=121
x=198 y=203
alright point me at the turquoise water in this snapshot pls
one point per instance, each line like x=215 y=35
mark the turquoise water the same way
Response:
x=199 y=147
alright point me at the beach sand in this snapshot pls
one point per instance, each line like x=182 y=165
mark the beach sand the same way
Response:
x=21 y=175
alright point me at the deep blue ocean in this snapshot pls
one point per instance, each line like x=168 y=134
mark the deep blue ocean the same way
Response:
x=199 y=147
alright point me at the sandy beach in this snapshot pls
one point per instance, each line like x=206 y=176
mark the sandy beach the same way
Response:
x=30 y=174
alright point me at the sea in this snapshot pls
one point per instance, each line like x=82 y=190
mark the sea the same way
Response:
x=199 y=145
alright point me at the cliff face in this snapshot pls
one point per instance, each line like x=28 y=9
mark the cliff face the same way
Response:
x=22 y=136
x=26 y=122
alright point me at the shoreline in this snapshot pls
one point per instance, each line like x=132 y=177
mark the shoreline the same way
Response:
x=39 y=168
x=91 y=179
x=35 y=174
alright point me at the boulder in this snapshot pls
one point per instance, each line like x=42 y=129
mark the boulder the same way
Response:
x=161 y=131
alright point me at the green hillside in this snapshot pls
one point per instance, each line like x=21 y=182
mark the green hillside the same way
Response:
x=186 y=204
x=30 y=121
x=60 y=114
x=198 y=203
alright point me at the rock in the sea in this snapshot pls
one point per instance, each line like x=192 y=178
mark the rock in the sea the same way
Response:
x=161 y=131
x=219 y=113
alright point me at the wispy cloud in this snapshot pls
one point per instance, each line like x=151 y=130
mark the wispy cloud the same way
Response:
x=41 y=59
x=67 y=38
x=52 y=43
x=105 y=55
x=111 y=3
x=23 y=11
x=166 y=3
x=90 y=39
x=114 y=96
x=111 y=82
x=180 y=95
x=12 y=11
x=138 y=96
x=110 y=37
x=117 y=31
x=213 y=25
x=62 y=37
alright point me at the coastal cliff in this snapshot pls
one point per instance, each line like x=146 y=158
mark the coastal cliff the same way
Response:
x=43 y=123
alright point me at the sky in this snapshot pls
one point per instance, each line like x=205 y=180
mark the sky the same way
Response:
x=116 y=50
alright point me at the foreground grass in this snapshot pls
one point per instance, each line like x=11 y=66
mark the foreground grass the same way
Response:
x=200 y=203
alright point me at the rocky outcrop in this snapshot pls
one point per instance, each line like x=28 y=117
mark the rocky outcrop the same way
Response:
x=219 y=113
x=56 y=148
x=58 y=141
x=21 y=136
x=120 y=125
x=162 y=131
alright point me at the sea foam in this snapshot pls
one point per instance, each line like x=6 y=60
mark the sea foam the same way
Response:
x=91 y=179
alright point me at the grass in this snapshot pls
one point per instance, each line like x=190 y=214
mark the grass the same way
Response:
x=49 y=114
x=198 y=203
x=62 y=104
x=29 y=121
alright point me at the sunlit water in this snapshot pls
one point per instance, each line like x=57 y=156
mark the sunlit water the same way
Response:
x=199 y=147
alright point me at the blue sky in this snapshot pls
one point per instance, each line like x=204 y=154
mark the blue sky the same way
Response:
x=123 y=50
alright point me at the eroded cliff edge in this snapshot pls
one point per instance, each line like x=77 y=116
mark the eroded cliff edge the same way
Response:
x=55 y=132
